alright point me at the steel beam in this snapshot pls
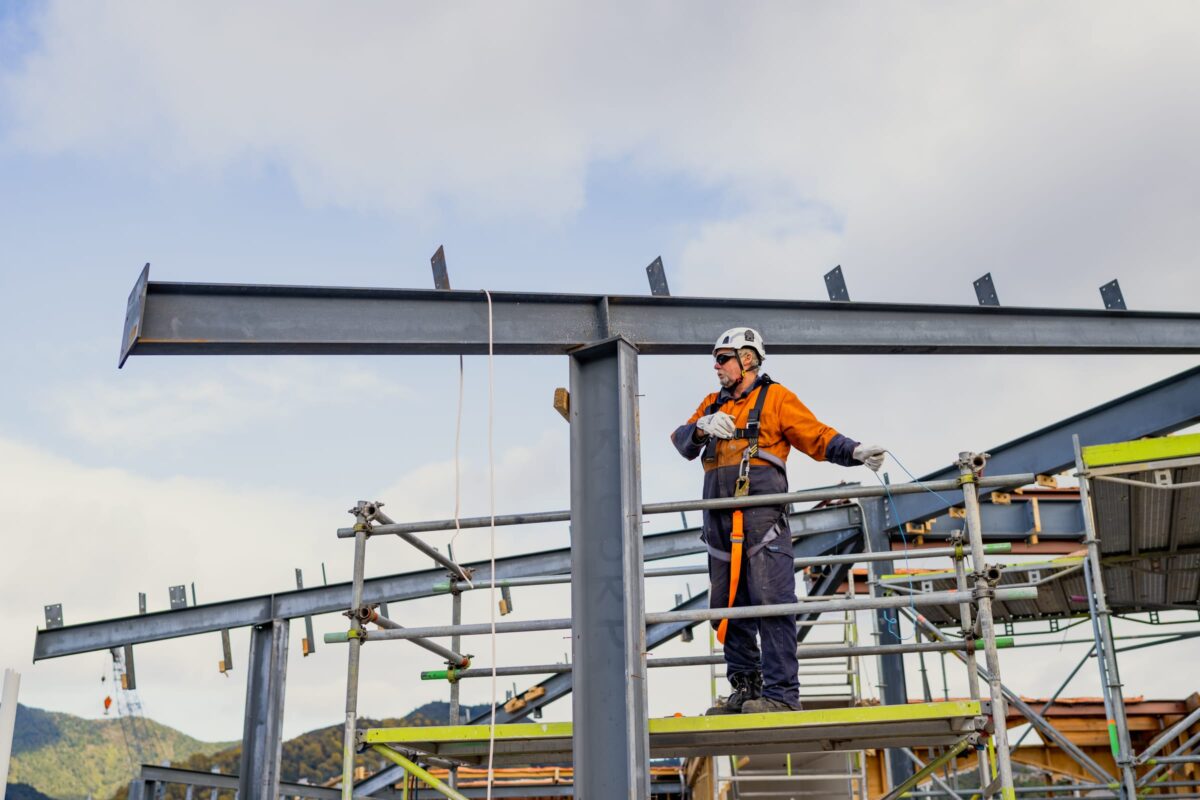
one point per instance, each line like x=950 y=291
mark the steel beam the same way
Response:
x=262 y=734
x=244 y=319
x=335 y=598
x=611 y=744
x=1153 y=410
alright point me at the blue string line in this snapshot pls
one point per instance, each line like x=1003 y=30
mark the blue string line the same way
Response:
x=893 y=621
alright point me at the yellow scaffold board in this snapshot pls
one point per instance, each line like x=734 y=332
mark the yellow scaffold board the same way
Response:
x=827 y=729
x=1158 y=448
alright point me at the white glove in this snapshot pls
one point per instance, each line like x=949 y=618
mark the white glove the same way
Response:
x=719 y=425
x=871 y=455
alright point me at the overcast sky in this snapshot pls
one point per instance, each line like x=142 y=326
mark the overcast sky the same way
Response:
x=550 y=147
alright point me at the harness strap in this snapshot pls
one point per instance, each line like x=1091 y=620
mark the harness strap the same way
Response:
x=736 y=537
x=742 y=488
x=750 y=432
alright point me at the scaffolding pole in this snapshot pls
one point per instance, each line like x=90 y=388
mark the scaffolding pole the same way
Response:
x=1006 y=593
x=350 y=734
x=970 y=465
x=713 y=504
x=994 y=548
x=413 y=768
x=806 y=652
x=1102 y=626
x=1042 y=725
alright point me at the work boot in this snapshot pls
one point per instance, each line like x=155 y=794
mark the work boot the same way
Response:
x=747 y=686
x=765 y=705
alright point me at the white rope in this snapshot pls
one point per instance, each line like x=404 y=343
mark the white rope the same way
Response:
x=492 y=537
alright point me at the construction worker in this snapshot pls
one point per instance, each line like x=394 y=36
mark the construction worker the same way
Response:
x=745 y=432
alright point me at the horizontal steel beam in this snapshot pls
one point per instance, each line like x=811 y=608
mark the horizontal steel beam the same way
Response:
x=243 y=319
x=105 y=634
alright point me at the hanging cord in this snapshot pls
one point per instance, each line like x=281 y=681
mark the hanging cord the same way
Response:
x=893 y=620
x=492 y=543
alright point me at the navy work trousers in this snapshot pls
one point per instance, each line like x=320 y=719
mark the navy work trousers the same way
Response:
x=768 y=578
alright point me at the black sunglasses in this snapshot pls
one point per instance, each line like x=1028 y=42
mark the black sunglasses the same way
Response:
x=725 y=357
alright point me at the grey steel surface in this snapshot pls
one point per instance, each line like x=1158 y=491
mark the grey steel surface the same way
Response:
x=54 y=617
x=178 y=597
x=608 y=634
x=835 y=285
x=1162 y=407
x=658 y=278
x=1058 y=517
x=441 y=278
x=129 y=670
x=1149 y=542
x=232 y=319
x=335 y=598
x=985 y=291
x=893 y=687
x=1110 y=293
x=262 y=735
x=310 y=642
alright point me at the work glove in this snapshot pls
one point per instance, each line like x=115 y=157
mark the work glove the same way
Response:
x=871 y=455
x=719 y=425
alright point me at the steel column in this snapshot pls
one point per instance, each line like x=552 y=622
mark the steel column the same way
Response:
x=262 y=739
x=893 y=687
x=611 y=745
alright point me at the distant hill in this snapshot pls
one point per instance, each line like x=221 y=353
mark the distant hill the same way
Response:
x=316 y=756
x=68 y=757
x=23 y=791
x=64 y=757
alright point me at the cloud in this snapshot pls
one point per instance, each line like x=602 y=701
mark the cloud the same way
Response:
x=121 y=410
x=988 y=111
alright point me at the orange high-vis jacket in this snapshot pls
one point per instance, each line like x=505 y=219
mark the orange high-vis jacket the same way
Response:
x=785 y=423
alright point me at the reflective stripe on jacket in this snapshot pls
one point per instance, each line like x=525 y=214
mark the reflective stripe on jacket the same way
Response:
x=785 y=423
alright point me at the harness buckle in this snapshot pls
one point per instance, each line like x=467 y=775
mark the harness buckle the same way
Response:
x=741 y=486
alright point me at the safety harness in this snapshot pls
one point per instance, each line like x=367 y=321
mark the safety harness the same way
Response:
x=741 y=488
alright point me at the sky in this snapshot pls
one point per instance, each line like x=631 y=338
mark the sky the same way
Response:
x=549 y=147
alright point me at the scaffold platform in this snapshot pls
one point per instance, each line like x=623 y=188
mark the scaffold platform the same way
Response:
x=819 y=730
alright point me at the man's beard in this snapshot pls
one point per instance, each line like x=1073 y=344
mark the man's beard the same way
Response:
x=726 y=381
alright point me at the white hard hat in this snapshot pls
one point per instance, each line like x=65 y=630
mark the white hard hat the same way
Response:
x=737 y=338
